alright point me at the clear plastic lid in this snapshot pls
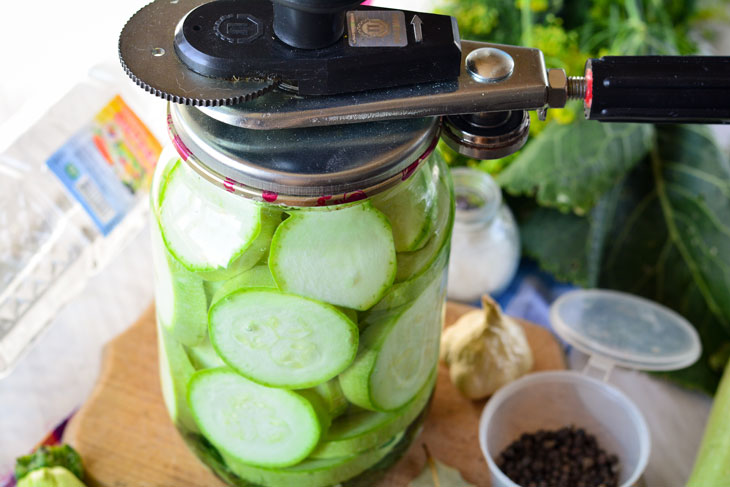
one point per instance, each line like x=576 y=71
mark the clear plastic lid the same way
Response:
x=625 y=329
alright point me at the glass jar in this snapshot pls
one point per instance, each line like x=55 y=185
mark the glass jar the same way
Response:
x=485 y=250
x=300 y=287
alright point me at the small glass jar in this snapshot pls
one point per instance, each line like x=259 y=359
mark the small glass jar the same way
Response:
x=485 y=249
x=300 y=284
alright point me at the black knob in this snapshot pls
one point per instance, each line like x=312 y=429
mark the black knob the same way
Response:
x=674 y=89
x=310 y=24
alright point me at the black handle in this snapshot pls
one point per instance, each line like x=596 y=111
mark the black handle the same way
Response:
x=656 y=89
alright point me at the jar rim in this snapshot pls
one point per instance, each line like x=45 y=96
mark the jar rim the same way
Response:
x=369 y=158
x=478 y=196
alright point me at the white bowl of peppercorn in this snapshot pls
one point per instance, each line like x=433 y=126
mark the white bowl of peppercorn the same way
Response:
x=567 y=429
x=563 y=428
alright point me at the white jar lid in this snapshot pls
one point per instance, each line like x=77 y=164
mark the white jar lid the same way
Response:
x=625 y=329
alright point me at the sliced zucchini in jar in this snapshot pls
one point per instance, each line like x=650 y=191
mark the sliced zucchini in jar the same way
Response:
x=403 y=293
x=182 y=307
x=313 y=472
x=280 y=339
x=210 y=231
x=397 y=354
x=251 y=423
x=258 y=276
x=204 y=356
x=409 y=207
x=362 y=430
x=344 y=257
x=411 y=264
x=168 y=159
x=175 y=373
x=331 y=394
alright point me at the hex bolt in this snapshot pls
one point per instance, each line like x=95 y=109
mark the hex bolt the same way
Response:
x=557 y=93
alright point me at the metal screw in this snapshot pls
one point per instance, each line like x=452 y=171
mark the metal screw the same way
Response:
x=576 y=87
x=489 y=65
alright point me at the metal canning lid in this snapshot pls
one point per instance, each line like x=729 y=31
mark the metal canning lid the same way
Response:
x=314 y=166
x=625 y=329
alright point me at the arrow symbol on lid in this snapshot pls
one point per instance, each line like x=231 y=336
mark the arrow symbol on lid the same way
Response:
x=417 y=30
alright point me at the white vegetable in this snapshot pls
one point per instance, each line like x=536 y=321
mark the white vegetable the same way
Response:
x=485 y=350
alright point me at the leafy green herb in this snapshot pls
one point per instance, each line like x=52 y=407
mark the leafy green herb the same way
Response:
x=50 y=456
x=493 y=21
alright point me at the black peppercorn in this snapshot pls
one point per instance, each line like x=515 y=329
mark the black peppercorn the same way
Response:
x=568 y=457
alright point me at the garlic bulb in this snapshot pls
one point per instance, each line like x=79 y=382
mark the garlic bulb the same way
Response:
x=485 y=350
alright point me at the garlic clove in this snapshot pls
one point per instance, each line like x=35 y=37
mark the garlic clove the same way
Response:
x=485 y=350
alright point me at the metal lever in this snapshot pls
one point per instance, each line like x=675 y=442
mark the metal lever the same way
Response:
x=656 y=89
x=485 y=108
x=485 y=85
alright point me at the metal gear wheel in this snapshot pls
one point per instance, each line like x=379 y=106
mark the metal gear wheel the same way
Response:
x=147 y=53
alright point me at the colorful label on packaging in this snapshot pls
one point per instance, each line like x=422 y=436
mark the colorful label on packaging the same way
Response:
x=107 y=162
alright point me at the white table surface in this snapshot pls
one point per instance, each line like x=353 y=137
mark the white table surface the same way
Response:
x=45 y=46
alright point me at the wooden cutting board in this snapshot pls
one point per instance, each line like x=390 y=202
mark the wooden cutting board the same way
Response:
x=126 y=438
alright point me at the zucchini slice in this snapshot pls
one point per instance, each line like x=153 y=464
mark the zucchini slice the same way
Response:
x=344 y=257
x=252 y=423
x=280 y=339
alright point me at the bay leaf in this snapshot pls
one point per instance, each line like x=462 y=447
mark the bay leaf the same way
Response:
x=436 y=474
